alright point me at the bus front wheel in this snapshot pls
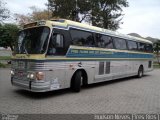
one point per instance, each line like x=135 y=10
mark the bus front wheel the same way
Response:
x=76 y=81
x=140 y=72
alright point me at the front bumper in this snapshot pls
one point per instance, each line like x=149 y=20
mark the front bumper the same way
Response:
x=31 y=85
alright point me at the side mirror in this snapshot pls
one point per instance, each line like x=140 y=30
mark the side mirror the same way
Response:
x=59 y=41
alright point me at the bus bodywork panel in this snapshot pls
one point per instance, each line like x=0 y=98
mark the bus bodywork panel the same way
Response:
x=58 y=74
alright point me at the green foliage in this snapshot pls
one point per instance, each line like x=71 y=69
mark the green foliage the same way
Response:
x=101 y=13
x=4 y=13
x=156 y=65
x=5 y=57
x=62 y=8
x=156 y=47
x=2 y=65
x=8 y=35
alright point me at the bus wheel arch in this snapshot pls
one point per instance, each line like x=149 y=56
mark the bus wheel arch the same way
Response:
x=79 y=79
x=140 y=71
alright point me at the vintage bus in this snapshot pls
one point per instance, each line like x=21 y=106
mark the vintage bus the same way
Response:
x=57 y=54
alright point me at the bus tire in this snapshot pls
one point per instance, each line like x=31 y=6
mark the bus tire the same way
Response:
x=76 y=81
x=140 y=72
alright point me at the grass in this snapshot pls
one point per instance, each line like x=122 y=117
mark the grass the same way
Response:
x=156 y=65
x=5 y=57
x=3 y=65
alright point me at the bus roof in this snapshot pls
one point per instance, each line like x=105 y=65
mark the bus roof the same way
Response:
x=65 y=24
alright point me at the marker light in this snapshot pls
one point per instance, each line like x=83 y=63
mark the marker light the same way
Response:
x=41 y=23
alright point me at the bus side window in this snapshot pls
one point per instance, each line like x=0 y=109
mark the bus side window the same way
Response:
x=82 y=38
x=132 y=45
x=141 y=47
x=120 y=43
x=104 y=41
x=149 y=48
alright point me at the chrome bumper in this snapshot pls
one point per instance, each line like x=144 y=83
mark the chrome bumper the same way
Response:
x=31 y=86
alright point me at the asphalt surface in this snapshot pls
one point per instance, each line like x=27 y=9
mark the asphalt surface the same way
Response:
x=129 y=95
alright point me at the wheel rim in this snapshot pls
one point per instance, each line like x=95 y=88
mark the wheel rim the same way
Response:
x=81 y=81
x=140 y=73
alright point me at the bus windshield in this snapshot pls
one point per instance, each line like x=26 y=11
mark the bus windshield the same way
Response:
x=33 y=40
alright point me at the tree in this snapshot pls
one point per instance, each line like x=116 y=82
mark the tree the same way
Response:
x=37 y=14
x=101 y=13
x=4 y=12
x=63 y=8
x=156 y=48
x=108 y=13
x=8 y=35
x=22 y=19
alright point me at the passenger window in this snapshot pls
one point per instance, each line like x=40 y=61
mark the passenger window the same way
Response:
x=132 y=45
x=141 y=46
x=104 y=41
x=120 y=43
x=82 y=38
x=149 y=48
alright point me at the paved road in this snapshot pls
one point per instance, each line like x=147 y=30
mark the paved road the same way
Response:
x=5 y=52
x=130 y=95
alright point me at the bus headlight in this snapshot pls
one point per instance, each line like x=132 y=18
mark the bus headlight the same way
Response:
x=31 y=76
x=39 y=75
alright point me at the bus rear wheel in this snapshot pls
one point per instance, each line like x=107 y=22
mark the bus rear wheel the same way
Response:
x=140 y=72
x=76 y=81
